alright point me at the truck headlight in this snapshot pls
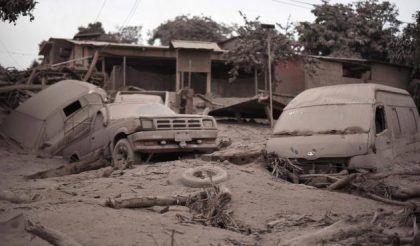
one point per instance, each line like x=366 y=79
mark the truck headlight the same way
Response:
x=208 y=123
x=146 y=124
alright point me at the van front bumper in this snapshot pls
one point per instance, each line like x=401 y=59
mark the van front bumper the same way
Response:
x=168 y=141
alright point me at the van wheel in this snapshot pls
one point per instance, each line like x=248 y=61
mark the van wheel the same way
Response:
x=123 y=155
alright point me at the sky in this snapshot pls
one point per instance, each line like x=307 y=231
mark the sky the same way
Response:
x=61 y=18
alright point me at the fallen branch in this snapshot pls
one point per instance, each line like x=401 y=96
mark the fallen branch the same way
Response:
x=342 y=182
x=389 y=201
x=398 y=173
x=52 y=236
x=147 y=202
x=92 y=163
x=9 y=88
x=335 y=232
x=15 y=198
x=406 y=192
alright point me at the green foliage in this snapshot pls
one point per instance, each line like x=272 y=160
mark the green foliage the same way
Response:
x=10 y=10
x=184 y=27
x=250 y=52
x=362 y=29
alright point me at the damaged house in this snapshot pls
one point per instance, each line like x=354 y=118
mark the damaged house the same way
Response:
x=195 y=64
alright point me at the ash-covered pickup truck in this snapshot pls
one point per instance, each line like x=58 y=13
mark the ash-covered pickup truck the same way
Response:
x=126 y=131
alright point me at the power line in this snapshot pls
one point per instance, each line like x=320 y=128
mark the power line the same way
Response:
x=19 y=53
x=10 y=55
x=100 y=11
x=131 y=13
x=291 y=4
x=302 y=2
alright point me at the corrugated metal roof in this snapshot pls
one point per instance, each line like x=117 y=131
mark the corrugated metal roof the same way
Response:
x=199 y=45
x=121 y=45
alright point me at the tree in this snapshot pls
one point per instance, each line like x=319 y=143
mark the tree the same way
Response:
x=124 y=34
x=405 y=48
x=250 y=53
x=127 y=34
x=200 y=28
x=95 y=27
x=362 y=29
x=10 y=10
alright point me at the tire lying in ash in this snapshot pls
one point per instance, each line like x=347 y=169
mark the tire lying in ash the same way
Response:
x=203 y=176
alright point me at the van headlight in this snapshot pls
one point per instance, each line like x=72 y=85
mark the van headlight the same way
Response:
x=146 y=124
x=208 y=123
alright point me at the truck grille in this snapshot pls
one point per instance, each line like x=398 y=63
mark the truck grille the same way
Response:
x=178 y=123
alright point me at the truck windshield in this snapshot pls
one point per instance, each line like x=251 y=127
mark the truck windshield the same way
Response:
x=325 y=119
x=126 y=110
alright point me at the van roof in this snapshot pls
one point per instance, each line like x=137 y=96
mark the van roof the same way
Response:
x=56 y=96
x=341 y=94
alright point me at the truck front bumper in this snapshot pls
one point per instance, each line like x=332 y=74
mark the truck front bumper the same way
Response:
x=168 y=141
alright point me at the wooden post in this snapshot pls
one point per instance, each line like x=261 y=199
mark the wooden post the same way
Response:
x=177 y=76
x=92 y=66
x=103 y=65
x=124 y=71
x=189 y=74
x=208 y=87
x=256 y=81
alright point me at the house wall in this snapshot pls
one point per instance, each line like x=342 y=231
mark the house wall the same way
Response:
x=289 y=77
x=200 y=61
x=241 y=87
x=391 y=75
x=323 y=73
x=148 y=79
x=60 y=52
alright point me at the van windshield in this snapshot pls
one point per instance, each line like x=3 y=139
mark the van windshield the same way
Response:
x=325 y=119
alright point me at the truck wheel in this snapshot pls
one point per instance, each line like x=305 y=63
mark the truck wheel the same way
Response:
x=123 y=155
x=203 y=176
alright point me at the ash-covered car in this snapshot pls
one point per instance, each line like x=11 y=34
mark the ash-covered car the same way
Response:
x=127 y=131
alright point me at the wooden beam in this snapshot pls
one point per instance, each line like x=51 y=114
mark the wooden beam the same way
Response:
x=72 y=60
x=92 y=66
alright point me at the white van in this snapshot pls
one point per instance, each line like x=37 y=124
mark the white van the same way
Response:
x=55 y=116
x=331 y=128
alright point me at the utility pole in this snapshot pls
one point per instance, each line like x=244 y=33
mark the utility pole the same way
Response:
x=269 y=27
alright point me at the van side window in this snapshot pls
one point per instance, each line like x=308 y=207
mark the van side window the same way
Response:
x=407 y=121
x=414 y=119
x=71 y=108
x=380 y=122
x=396 y=123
